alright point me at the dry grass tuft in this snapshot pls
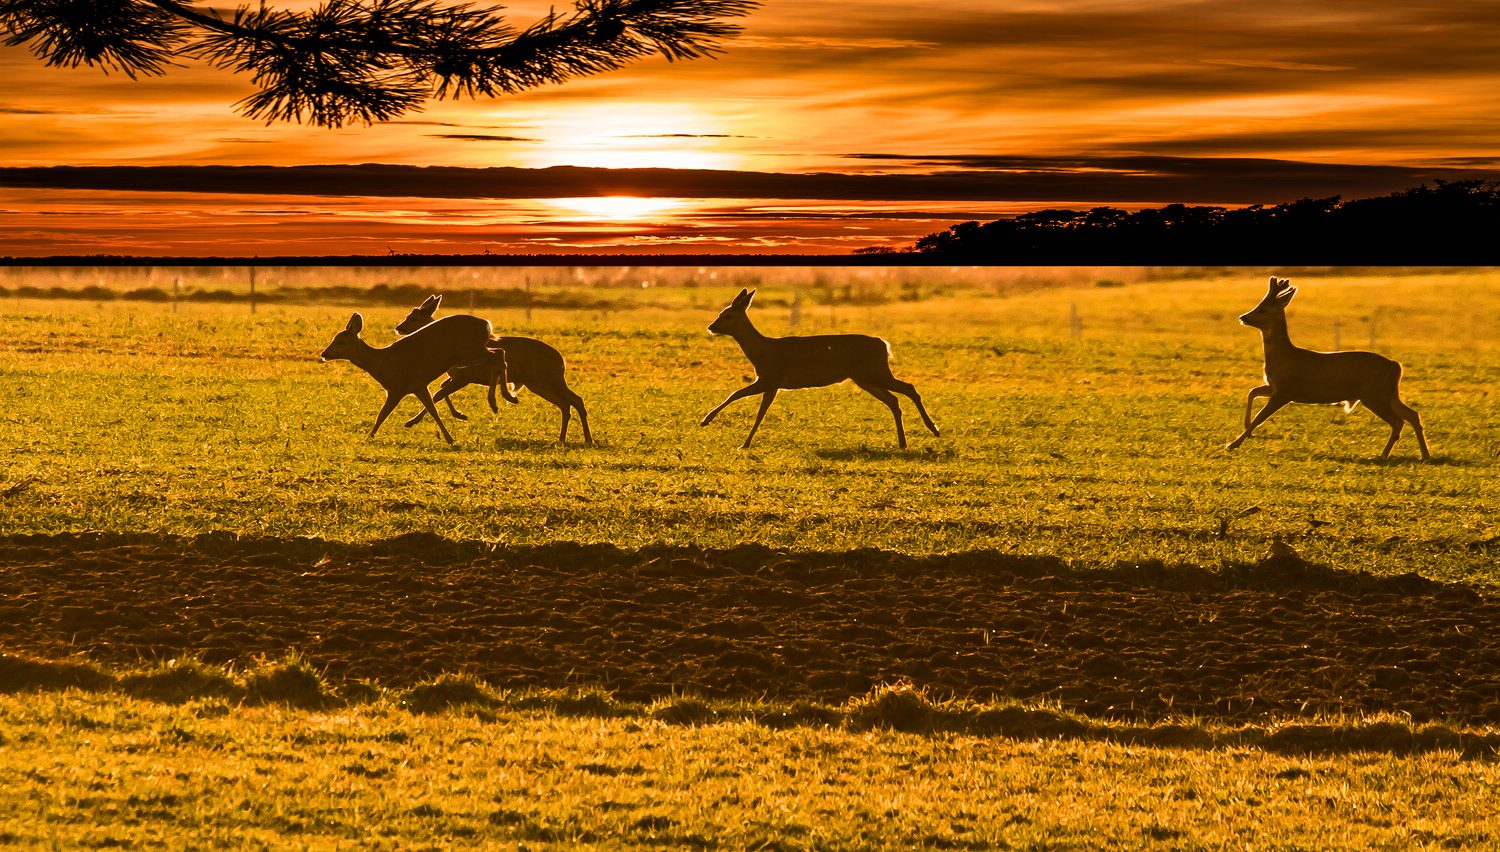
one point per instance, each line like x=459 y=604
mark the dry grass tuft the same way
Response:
x=293 y=681
x=448 y=692
x=24 y=674
x=179 y=681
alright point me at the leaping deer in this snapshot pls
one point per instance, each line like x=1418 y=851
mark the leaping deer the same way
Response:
x=530 y=363
x=1324 y=378
x=410 y=364
x=784 y=363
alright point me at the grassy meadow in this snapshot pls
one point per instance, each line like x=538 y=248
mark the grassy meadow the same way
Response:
x=1084 y=415
x=1086 y=422
x=90 y=771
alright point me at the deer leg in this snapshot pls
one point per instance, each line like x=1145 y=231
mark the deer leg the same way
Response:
x=890 y=401
x=445 y=393
x=1273 y=405
x=563 y=399
x=426 y=398
x=446 y=396
x=573 y=401
x=748 y=390
x=765 y=403
x=1410 y=416
x=500 y=381
x=1386 y=410
x=1255 y=393
x=910 y=391
x=391 y=398
x=583 y=416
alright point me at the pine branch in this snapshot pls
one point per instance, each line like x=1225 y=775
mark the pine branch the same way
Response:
x=368 y=60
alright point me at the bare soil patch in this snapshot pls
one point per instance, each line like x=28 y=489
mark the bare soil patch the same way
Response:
x=1274 y=639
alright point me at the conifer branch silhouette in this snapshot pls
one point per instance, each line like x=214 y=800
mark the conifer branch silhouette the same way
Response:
x=363 y=61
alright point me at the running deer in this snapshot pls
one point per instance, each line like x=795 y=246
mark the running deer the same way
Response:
x=1324 y=378
x=530 y=363
x=785 y=363
x=410 y=364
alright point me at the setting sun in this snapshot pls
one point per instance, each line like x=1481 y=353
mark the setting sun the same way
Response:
x=613 y=208
x=632 y=135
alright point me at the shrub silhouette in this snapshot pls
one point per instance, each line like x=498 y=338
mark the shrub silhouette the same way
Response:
x=1450 y=223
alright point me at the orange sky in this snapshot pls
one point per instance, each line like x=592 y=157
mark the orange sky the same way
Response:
x=1376 y=95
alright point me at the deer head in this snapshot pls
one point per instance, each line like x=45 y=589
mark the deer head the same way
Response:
x=420 y=315
x=733 y=318
x=347 y=341
x=1273 y=306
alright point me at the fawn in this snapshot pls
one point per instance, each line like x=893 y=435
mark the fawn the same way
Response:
x=784 y=363
x=411 y=363
x=530 y=363
x=1328 y=378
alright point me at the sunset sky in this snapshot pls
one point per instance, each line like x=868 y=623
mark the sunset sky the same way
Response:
x=826 y=127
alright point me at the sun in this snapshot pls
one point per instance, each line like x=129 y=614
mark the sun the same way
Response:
x=614 y=208
x=637 y=135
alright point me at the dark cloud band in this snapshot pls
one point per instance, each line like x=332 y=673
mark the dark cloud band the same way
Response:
x=958 y=178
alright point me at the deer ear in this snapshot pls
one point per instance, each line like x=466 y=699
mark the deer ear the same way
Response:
x=356 y=323
x=432 y=302
x=748 y=296
x=1286 y=296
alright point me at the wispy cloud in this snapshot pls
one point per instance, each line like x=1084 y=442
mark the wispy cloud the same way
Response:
x=481 y=137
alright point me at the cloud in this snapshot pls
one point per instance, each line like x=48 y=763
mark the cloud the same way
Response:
x=6 y=109
x=823 y=43
x=958 y=178
x=480 y=137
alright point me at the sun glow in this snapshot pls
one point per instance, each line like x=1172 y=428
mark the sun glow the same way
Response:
x=632 y=135
x=614 y=208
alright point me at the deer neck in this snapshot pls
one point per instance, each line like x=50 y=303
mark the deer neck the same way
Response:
x=751 y=341
x=1276 y=341
x=372 y=360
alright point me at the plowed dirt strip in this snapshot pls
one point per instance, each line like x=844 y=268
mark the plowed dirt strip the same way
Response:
x=1275 y=639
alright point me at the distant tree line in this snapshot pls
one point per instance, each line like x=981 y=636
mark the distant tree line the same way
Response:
x=1450 y=223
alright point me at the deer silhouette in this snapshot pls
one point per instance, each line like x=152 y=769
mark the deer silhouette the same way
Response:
x=785 y=363
x=1326 y=378
x=530 y=363
x=410 y=364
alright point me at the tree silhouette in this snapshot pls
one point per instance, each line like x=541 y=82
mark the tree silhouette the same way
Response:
x=1450 y=223
x=366 y=60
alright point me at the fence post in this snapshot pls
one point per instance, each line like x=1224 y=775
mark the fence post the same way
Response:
x=176 y=289
x=252 y=289
x=1075 y=322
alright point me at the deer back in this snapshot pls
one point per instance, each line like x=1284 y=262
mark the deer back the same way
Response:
x=530 y=360
x=1331 y=377
x=825 y=359
x=436 y=348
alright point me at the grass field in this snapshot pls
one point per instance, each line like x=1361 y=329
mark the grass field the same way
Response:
x=1099 y=447
x=84 y=771
x=1084 y=417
